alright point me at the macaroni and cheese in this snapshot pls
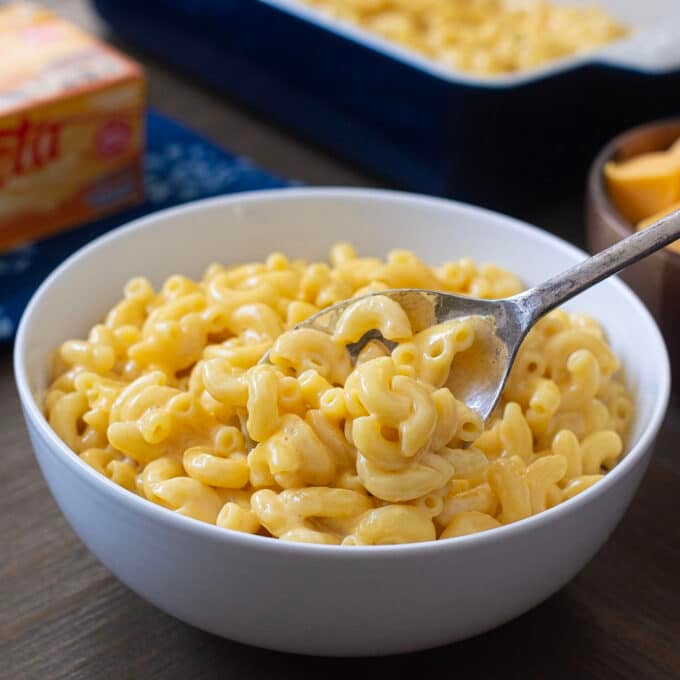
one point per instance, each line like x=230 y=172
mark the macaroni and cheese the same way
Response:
x=167 y=399
x=484 y=37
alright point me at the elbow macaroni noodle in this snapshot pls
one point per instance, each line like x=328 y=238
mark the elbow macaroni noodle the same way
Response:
x=167 y=399
x=484 y=37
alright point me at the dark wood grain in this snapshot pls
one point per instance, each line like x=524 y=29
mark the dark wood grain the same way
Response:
x=62 y=615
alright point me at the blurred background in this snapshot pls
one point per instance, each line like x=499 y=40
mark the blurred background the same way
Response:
x=111 y=109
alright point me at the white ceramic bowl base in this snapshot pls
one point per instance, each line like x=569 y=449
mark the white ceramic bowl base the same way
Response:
x=329 y=600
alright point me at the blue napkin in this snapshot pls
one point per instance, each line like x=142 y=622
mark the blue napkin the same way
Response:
x=181 y=166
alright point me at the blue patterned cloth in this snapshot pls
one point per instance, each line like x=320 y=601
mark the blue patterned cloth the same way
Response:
x=181 y=166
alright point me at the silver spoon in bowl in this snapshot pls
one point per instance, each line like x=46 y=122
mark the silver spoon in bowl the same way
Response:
x=500 y=325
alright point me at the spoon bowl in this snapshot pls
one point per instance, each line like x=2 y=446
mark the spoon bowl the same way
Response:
x=499 y=325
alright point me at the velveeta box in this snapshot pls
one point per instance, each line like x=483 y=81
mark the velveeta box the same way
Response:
x=71 y=126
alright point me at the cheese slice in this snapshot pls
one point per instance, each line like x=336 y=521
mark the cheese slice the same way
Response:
x=644 y=185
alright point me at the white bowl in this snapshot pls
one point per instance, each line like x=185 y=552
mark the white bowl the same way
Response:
x=329 y=600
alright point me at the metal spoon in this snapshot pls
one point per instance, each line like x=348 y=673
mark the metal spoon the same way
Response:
x=501 y=325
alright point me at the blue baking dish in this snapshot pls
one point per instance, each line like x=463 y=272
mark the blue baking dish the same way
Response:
x=503 y=142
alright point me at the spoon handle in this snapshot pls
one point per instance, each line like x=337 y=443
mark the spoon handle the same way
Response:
x=541 y=299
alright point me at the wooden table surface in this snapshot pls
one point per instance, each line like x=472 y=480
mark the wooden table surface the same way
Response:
x=63 y=615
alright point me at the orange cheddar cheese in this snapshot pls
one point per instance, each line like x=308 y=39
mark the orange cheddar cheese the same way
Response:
x=644 y=185
x=675 y=148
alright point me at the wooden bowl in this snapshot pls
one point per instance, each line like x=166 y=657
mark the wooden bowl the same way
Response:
x=655 y=279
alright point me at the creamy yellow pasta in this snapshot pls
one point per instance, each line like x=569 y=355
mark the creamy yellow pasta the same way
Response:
x=167 y=399
x=484 y=37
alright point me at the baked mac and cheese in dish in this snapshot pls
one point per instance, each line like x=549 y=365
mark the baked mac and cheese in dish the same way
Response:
x=482 y=37
x=166 y=398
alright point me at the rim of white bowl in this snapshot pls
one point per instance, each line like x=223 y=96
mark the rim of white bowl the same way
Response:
x=182 y=523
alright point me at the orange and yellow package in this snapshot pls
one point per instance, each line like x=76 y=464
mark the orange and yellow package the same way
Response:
x=71 y=126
